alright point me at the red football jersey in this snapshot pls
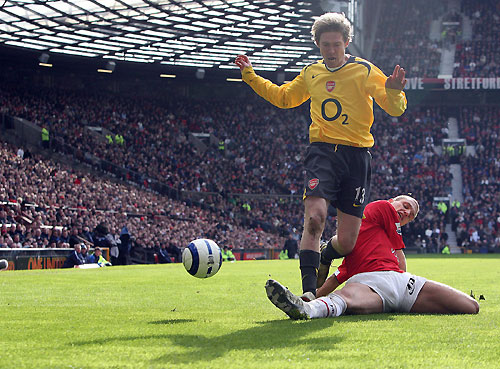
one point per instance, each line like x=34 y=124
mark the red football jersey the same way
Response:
x=379 y=236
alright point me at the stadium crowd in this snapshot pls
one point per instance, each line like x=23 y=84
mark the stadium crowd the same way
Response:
x=477 y=222
x=50 y=205
x=403 y=37
x=245 y=189
x=156 y=142
x=408 y=42
x=405 y=160
x=391 y=166
x=480 y=56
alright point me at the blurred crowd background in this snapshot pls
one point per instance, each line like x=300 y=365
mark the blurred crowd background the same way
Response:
x=143 y=175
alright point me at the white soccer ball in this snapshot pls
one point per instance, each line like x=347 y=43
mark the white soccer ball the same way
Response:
x=4 y=264
x=202 y=258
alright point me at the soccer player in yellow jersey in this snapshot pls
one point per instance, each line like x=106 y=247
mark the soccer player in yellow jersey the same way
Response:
x=341 y=88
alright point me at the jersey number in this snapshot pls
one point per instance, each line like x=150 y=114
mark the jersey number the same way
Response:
x=360 y=195
x=337 y=115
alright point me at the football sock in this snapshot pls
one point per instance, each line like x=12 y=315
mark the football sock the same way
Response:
x=309 y=264
x=329 y=306
x=329 y=253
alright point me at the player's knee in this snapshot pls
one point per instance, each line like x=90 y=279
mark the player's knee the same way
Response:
x=474 y=307
x=467 y=306
x=315 y=224
x=346 y=294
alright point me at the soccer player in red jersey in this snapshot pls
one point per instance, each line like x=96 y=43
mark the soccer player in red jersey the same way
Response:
x=341 y=89
x=375 y=275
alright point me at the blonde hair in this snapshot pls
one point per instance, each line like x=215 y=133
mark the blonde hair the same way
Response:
x=332 y=22
x=408 y=198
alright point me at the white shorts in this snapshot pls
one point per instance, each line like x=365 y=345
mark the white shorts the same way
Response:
x=398 y=291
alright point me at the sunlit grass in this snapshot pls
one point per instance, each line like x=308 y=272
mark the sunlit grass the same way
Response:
x=159 y=316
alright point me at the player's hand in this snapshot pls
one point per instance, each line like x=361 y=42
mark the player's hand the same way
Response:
x=328 y=287
x=396 y=80
x=242 y=61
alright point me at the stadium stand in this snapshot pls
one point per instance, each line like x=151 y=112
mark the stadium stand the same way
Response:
x=477 y=221
x=405 y=160
x=478 y=56
x=184 y=167
x=403 y=37
x=43 y=202
x=242 y=168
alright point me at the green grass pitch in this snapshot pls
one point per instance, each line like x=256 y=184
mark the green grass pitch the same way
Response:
x=158 y=316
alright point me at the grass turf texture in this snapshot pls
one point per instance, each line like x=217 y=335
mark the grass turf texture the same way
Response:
x=158 y=316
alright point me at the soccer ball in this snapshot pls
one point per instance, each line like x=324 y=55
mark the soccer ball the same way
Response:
x=202 y=258
x=4 y=264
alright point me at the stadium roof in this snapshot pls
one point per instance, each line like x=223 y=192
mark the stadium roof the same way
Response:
x=177 y=33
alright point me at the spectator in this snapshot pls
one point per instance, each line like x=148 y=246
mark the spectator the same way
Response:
x=45 y=138
x=64 y=237
x=124 y=247
x=74 y=237
x=291 y=246
x=175 y=252
x=97 y=258
x=87 y=235
x=74 y=258
x=163 y=256
x=227 y=254
x=85 y=254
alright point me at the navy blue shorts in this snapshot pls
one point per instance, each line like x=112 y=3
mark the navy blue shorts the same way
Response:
x=340 y=174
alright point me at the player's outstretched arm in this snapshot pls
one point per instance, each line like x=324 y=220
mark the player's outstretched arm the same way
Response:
x=242 y=62
x=286 y=96
x=438 y=298
x=396 y=80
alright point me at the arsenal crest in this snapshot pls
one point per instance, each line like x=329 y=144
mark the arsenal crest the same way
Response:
x=313 y=183
x=330 y=85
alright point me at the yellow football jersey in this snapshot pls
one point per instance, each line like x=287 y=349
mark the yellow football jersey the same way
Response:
x=341 y=99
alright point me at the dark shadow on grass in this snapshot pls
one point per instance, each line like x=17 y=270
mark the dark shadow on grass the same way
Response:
x=107 y=340
x=172 y=321
x=274 y=334
x=266 y=335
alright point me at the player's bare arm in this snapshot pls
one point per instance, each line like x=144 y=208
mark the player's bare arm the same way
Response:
x=242 y=62
x=328 y=287
x=396 y=80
